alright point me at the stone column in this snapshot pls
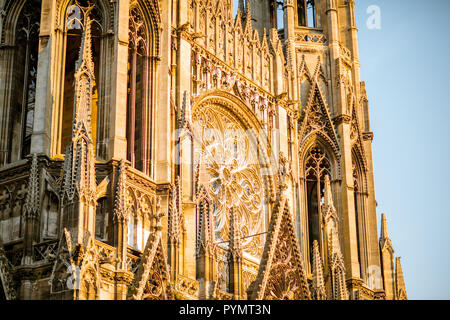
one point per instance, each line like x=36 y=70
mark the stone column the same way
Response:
x=372 y=248
x=49 y=87
x=162 y=122
x=119 y=85
x=343 y=123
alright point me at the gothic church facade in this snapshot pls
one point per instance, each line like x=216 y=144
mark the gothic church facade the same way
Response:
x=170 y=149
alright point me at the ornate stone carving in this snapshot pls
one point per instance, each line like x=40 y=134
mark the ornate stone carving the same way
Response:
x=188 y=288
x=318 y=290
x=228 y=157
x=336 y=270
x=76 y=270
x=121 y=209
x=5 y=276
x=317 y=121
x=152 y=279
x=175 y=217
x=32 y=202
x=281 y=273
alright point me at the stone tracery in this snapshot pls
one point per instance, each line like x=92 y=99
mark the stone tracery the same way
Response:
x=227 y=155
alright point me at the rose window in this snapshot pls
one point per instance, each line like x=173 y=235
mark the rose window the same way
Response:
x=229 y=168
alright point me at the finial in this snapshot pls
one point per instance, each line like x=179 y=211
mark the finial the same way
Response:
x=158 y=215
x=384 y=230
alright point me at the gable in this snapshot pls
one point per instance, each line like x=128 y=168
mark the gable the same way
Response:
x=281 y=273
x=152 y=279
x=317 y=120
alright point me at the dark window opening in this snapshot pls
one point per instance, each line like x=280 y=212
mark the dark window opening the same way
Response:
x=137 y=116
x=73 y=43
x=306 y=13
x=317 y=166
x=24 y=80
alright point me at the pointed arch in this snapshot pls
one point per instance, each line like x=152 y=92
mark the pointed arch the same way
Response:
x=106 y=10
x=152 y=279
x=357 y=141
x=69 y=15
x=19 y=49
x=318 y=159
x=317 y=121
x=65 y=45
x=322 y=141
x=281 y=274
x=143 y=54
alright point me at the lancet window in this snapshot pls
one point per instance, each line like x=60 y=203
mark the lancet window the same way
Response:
x=137 y=106
x=73 y=35
x=317 y=166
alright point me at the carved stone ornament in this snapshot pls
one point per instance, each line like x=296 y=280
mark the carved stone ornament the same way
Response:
x=281 y=273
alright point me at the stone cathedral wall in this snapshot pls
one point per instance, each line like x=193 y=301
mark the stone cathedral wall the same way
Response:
x=174 y=150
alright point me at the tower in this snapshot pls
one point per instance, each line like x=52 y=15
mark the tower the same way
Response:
x=188 y=153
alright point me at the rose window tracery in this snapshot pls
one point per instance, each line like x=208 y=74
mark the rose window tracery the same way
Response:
x=229 y=168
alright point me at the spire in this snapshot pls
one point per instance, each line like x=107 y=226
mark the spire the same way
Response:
x=120 y=209
x=387 y=261
x=337 y=269
x=174 y=212
x=384 y=229
x=84 y=76
x=79 y=181
x=205 y=233
x=400 y=281
x=384 y=237
x=235 y=241
x=318 y=286
x=85 y=54
x=335 y=260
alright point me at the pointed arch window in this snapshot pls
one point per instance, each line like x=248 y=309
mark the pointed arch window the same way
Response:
x=20 y=81
x=73 y=30
x=359 y=218
x=317 y=166
x=137 y=111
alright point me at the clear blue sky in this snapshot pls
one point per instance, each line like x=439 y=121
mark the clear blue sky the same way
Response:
x=406 y=65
